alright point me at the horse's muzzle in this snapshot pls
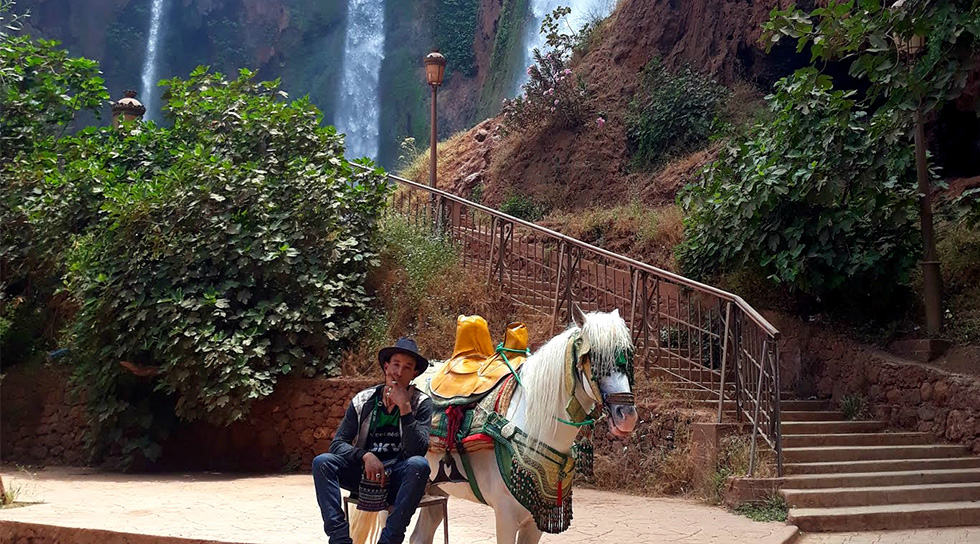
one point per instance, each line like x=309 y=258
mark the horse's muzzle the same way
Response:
x=622 y=415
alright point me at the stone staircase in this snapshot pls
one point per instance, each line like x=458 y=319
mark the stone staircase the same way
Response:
x=842 y=475
x=845 y=475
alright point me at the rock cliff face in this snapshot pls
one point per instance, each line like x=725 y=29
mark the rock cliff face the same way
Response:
x=580 y=167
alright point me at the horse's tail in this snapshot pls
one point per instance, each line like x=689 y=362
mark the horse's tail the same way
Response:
x=365 y=527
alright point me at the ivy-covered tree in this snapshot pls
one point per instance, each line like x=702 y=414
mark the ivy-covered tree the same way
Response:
x=811 y=197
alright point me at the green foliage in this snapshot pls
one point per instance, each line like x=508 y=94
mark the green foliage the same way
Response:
x=874 y=39
x=672 y=113
x=414 y=248
x=233 y=255
x=854 y=407
x=455 y=27
x=821 y=197
x=958 y=246
x=42 y=89
x=773 y=508
x=523 y=207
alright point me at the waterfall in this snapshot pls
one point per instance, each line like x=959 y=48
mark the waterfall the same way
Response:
x=583 y=11
x=358 y=113
x=150 y=61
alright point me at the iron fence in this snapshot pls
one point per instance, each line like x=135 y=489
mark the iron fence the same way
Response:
x=689 y=332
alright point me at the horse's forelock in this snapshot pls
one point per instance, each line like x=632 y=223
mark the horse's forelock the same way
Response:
x=607 y=335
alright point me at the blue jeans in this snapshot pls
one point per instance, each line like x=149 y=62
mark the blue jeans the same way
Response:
x=406 y=484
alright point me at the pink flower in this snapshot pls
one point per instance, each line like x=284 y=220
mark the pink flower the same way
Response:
x=529 y=69
x=567 y=71
x=552 y=110
x=600 y=122
x=556 y=102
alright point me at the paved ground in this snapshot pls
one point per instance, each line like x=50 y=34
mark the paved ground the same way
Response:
x=281 y=509
x=954 y=535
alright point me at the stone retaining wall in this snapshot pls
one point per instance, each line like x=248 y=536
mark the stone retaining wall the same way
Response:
x=909 y=395
x=41 y=423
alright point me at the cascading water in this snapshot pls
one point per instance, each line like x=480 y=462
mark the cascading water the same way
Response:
x=582 y=12
x=358 y=113
x=150 y=61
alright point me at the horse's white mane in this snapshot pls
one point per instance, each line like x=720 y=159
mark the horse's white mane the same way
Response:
x=543 y=373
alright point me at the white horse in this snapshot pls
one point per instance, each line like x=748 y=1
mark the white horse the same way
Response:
x=538 y=407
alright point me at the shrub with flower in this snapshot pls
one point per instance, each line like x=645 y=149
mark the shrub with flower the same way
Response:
x=553 y=96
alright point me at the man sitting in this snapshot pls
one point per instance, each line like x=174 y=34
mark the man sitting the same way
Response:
x=383 y=437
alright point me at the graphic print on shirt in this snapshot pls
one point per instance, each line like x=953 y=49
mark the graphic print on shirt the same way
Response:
x=384 y=439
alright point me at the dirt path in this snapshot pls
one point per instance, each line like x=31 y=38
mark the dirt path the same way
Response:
x=282 y=509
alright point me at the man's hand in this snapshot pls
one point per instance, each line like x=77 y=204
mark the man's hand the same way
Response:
x=374 y=469
x=400 y=396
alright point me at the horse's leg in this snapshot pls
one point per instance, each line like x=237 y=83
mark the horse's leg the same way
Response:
x=506 y=529
x=427 y=524
x=529 y=533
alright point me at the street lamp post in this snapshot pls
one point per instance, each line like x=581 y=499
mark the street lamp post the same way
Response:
x=435 y=69
x=931 y=277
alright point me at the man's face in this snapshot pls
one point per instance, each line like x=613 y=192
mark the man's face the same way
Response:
x=400 y=368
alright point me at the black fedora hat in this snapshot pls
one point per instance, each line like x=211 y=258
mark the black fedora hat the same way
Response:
x=407 y=346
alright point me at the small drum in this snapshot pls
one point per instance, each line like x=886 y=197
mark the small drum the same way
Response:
x=371 y=496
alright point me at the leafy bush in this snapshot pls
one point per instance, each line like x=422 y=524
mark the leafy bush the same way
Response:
x=820 y=198
x=217 y=256
x=522 y=207
x=672 y=113
x=553 y=96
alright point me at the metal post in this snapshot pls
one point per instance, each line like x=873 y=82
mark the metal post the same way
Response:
x=931 y=278
x=755 y=415
x=724 y=360
x=432 y=157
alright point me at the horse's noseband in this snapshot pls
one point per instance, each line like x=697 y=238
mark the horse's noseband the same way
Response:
x=620 y=399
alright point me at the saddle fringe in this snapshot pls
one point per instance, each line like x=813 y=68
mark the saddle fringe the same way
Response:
x=365 y=527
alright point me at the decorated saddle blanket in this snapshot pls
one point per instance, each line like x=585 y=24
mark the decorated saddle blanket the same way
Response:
x=461 y=428
x=476 y=367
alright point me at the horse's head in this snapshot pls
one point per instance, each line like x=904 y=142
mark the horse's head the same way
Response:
x=605 y=375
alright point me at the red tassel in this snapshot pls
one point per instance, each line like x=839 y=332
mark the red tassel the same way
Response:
x=454 y=420
x=559 y=493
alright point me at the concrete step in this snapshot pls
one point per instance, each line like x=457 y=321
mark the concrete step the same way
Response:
x=870 y=496
x=870 y=479
x=890 y=516
x=804 y=405
x=880 y=465
x=866 y=453
x=855 y=439
x=830 y=427
x=811 y=415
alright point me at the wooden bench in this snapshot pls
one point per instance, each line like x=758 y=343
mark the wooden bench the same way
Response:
x=427 y=500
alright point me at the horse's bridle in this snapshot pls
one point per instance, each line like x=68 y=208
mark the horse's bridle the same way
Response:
x=584 y=373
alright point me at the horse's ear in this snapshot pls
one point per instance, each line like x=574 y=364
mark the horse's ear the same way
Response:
x=578 y=316
x=616 y=312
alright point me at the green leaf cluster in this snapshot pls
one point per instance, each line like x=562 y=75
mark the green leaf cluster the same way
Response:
x=672 y=113
x=821 y=197
x=875 y=39
x=455 y=27
x=214 y=257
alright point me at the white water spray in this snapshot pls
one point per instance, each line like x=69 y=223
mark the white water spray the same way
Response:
x=583 y=11
x=150 y=61
x=358 y=114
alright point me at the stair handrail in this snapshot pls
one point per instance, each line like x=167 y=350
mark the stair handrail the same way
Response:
x=749 y=374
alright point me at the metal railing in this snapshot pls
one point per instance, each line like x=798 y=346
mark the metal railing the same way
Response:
x=689 y=332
